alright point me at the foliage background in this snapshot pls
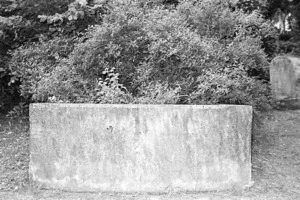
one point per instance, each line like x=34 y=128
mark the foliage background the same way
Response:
x=148 y=51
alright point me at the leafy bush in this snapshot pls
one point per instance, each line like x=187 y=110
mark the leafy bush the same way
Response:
x=19 y=111
x=229 y=86
x=35 y=63
x=157 y=93
x=110 y=90
x=202 y=53
x=25 y=21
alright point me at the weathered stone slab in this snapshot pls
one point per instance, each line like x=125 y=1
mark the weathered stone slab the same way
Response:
x=140 y=148
x=285 y=78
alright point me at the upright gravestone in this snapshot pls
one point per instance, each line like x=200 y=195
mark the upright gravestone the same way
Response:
x=285 y=79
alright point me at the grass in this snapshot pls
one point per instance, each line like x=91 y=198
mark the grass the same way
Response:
x=275 y=165
x=14 y=154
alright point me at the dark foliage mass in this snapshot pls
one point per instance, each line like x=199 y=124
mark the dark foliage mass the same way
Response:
x=27 y=21
x=149 y=51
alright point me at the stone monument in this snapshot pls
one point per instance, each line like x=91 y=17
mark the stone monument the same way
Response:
x=140 y=148
x=285 y=79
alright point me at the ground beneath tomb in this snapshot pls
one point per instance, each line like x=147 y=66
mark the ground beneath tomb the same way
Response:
x=275 y=166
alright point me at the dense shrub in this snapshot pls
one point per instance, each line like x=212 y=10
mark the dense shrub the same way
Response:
x=158 y=93
x=34 y=65
x=197 y=53
x=25 y=21
x=231 y=87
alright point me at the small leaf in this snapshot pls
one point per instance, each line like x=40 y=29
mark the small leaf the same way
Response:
x=75 y=17
x=80 y=14
x=42 y=18
x=49 y=20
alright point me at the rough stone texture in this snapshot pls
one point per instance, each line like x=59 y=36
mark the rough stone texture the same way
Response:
x=140 y=148
x=285 y=78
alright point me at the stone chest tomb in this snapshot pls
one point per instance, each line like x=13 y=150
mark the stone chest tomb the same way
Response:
x=140 y=148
